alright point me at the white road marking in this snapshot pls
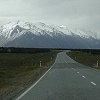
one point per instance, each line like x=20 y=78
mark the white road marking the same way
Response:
x=73 y=68
x=34 y=84
x=83 y=76
x=78 y=72
x=93 y=83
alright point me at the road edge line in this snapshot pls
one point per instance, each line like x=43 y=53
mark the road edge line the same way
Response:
x=93 y=83
x=18 y=98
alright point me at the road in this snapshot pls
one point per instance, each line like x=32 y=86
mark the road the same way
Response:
x=65 y=80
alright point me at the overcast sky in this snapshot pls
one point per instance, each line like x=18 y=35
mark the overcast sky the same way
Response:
x=81 y=13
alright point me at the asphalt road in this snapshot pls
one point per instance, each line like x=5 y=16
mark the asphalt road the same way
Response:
x=66 y=80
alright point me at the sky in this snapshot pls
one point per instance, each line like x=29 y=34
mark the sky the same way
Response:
x=80 y=13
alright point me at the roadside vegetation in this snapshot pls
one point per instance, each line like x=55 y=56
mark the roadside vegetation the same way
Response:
x=20 y=70
x=89 y=59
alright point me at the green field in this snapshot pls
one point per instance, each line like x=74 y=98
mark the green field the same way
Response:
x=86 y=58
x=18 y=70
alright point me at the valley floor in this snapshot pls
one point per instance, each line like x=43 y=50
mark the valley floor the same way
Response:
x=88 y=59
x=19 y=70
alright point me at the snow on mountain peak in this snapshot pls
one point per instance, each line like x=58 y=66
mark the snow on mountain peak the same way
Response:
x=15 y=29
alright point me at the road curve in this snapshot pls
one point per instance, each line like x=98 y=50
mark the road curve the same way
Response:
x=65 y=80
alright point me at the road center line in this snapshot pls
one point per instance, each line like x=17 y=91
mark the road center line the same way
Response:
x=93 y=83
x=77 y=72
x=73 y=68
x=83 y=76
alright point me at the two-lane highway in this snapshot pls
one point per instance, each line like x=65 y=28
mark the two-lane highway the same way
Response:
x=65 y=80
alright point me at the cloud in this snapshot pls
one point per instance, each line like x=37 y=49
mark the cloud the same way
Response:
x=84 y=13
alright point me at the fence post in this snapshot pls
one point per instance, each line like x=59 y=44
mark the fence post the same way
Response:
x=40 y=63
x=97 y=63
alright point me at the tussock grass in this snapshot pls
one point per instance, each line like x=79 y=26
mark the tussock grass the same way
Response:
x=18 y=70
x=86 y=58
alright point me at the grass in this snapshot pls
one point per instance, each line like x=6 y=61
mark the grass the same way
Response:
x=86 y=58
x=18 y=70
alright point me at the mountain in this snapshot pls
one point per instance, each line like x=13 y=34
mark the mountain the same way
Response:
x=41 y=35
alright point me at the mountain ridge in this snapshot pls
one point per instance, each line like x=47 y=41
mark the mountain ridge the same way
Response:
x=45 y=35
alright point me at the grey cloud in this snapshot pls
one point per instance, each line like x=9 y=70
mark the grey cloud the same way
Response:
x=84 y=13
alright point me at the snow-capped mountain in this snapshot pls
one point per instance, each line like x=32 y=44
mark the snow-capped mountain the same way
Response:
x=26 y=34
